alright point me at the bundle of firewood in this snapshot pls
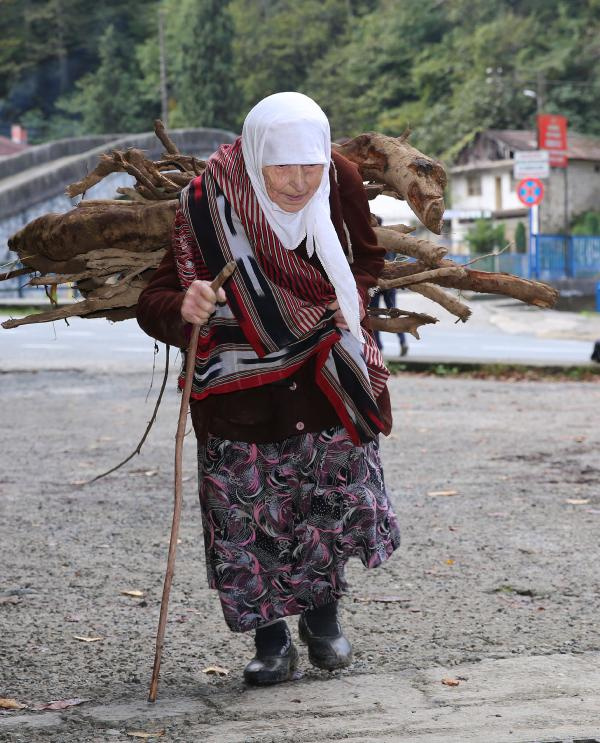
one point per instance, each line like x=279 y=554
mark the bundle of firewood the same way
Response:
x=110 y=248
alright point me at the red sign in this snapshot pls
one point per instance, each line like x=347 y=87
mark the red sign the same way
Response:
x=530 y=191
x=552 y=136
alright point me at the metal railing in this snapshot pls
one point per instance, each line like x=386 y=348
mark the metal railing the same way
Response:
x=554 y=257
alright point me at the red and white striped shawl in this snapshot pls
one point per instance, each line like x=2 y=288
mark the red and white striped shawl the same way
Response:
x=276 y=316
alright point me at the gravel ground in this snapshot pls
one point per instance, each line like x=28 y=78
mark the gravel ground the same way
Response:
x=505 y=566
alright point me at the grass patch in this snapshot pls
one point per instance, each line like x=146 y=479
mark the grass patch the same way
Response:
x=20 y=310
x=506 y=372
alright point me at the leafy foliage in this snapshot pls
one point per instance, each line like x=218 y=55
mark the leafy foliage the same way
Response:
x=445 y=68
x=587 y=223
x=520 y=238
x=485 y=236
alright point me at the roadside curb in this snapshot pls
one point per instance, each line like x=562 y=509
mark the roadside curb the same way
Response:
x=444 y=368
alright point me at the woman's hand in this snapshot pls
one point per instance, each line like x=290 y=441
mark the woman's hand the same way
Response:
x=338 y=317
x=200 y=301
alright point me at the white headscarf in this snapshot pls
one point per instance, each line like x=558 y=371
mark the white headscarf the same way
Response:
x=291 y=129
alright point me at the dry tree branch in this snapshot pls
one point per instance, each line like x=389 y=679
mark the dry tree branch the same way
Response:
x=445 y=300
x=488 y=255
x=432 y=275
x=485 y=282
x=13 y=274
x=396 y=240
x=167 y=142
x=409 y=322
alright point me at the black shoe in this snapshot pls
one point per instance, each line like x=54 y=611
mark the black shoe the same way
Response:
x=328 y=651
x=276 y=657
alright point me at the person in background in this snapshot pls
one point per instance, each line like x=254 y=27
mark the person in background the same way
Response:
x=389 y=298
x=596 y=352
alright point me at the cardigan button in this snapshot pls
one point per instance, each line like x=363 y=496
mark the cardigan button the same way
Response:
x=300 y=426
x=293 y=386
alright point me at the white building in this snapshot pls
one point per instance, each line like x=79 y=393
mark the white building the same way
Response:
x=482 y=183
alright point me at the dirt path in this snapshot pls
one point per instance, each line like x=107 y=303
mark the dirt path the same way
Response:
x=504 y=569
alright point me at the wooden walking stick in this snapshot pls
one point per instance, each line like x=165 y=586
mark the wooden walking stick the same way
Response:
x=185 y=399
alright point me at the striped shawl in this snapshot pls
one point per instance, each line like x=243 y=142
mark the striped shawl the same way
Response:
x=276 y=315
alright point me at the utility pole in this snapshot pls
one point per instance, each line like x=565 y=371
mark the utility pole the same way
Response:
x=164 y=101
x=541 y=92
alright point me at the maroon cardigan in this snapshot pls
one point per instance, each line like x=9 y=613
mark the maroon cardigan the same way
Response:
x=293 y=405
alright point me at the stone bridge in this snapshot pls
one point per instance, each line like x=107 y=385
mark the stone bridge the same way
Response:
x=33 y=182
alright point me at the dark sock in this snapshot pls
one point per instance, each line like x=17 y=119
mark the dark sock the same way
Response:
x=323 y=620
x=272 y=639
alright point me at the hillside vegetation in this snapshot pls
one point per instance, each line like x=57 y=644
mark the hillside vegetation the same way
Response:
x=446 y=68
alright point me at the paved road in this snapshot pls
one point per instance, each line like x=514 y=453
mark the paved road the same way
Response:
x=84 y=344
x=490 y=346
x=495 y=334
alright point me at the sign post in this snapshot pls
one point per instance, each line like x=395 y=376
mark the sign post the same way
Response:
x=531 y=164
x=552 y=136
x=530 y=192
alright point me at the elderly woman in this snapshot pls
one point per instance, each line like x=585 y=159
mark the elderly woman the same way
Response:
x=289 y=390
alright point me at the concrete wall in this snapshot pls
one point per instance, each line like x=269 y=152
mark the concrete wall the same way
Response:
x=487 y=199
x=44 y=153
x=43 y=181
x=583 y=192
x=39 y=189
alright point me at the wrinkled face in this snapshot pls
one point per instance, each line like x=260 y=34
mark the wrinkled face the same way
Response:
x=291 y=187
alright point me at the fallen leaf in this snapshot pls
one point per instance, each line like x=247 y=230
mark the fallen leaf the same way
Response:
x=73 y=618
x=450 y=682
x=11 y=704
x=61 y=704
x=450 y=562
x=577 y=501
x=87 y=639
x=151 y=473
x=216 y=670
x=9 y=599
x=142 y=734
x=136 y=594
x=443 y=492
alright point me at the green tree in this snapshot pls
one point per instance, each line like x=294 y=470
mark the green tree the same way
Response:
x=520 y=238
x=587 y=223
x=108 y=99
x=278 y=41
x=47 y=45
x=364 y=78
x=485 y=237
x=202 y=77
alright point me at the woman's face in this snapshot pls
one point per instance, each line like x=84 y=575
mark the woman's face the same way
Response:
x=291 y=187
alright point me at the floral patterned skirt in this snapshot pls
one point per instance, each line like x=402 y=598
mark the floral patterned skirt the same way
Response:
x=281 y=520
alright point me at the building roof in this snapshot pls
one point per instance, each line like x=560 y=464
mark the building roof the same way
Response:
x=501 y=144
x=8 y=147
